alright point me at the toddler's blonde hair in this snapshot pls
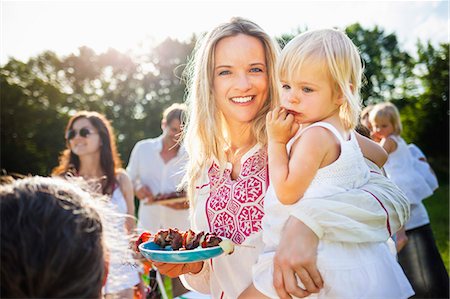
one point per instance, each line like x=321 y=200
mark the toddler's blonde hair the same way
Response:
x=342 y=60
x=387 y=111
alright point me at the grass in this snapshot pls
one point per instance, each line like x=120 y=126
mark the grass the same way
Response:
x=438 y=210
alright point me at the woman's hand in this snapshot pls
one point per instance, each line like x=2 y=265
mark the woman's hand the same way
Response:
x=175 y=270
x=296 y=256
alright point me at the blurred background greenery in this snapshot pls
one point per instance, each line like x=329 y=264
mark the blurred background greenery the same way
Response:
x=38 y=97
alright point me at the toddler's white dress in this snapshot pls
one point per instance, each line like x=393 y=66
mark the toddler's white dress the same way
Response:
x=349 y=270
x=401 y=169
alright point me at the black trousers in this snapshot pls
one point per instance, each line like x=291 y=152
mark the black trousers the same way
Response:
x=423 y=265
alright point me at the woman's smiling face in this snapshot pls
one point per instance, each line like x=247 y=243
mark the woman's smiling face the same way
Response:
x=84 y=145
x=240 y=77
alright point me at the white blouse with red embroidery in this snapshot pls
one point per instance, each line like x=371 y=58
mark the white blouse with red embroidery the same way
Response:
x=232 y=209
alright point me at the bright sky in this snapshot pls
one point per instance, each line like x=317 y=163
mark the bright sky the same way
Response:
x=30 y=27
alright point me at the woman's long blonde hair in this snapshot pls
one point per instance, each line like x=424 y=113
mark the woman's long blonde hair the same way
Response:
x=204 y=134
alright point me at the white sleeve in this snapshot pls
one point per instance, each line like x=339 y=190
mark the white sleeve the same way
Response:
x=370 y=214
x=133 y=167
x=198 y=282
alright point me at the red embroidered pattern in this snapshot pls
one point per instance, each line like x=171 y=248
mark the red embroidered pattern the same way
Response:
x=235 y=208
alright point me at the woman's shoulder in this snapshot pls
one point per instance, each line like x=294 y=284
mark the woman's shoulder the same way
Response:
x=122 y=176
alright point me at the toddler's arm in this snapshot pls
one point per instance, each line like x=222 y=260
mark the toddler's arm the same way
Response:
x=389 y=144
x=372 y=150
x=291 y=174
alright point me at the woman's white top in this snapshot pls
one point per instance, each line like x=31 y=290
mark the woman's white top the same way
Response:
x=346 y=267
x=235 y=208
x=122 y=273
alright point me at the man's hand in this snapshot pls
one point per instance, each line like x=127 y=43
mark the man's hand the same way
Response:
x=144 y=193
x=175 y=270
x=178 y=205
x=296 y=256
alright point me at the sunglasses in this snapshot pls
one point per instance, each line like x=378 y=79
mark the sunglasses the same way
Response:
x=84 y=132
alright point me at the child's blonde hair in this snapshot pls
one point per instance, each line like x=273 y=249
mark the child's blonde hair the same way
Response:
x=342 y=60
x=205 y=134
x=387 y=111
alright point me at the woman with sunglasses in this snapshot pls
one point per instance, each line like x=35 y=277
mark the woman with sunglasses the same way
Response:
x=91 y=153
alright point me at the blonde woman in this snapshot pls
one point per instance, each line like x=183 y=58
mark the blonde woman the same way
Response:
x=233 y=85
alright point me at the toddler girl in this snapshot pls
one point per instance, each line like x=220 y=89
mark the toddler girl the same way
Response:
x=314 y=152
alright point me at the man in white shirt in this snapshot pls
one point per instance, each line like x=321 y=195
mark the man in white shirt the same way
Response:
x=156 y=168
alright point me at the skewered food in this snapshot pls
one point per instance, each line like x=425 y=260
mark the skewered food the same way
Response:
x=188 y=240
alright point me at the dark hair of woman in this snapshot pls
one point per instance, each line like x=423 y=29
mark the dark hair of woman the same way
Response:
x=109 y=157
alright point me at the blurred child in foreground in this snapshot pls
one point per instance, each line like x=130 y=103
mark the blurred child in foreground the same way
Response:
x=53 y=240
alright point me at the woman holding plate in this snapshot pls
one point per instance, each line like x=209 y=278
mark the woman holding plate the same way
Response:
x=233 y=85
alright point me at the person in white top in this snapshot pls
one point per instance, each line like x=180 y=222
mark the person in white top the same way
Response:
x=313 y=152
x=156 y=168
x=92 y=154
x=420 y=257
x=233 y=86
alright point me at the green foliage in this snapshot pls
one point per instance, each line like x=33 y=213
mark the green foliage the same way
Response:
x=39 y=96
x=387 y=69
x=426 y=118
x=438 y=207
x=30 y=120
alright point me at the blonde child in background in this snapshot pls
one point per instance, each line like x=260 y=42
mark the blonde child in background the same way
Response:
x=314 y=152
x=420 y=257
x=399 y=239
x=386 y=126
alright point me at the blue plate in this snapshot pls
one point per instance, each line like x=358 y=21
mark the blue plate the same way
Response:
x=153 y=252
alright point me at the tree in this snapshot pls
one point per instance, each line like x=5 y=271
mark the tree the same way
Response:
x=426 y=121
x=39 y=96
x=30 y=120
x=387 y=69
